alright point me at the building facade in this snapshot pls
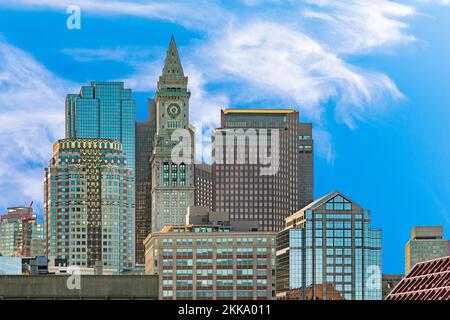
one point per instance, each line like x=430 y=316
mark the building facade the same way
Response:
x=203 y=185
x=427 y=280
x=103 y=110
x=89 y=204
x=212 y=261
x=145 y=134
x=172 y=172
x=426 y=243
x=262 y=166
x=329 y=245
x=389 y=282
x=20 y=232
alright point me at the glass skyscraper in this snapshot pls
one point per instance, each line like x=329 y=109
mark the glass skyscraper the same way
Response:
x=103 y=110
x=329 y=252
x=106 y=110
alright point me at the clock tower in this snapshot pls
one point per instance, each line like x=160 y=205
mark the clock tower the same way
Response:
x=172 y=179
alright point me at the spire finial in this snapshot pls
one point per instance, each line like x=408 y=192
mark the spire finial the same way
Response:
x=172 y=64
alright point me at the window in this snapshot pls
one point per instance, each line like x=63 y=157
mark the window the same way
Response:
x=338 y=203
x=166 y=174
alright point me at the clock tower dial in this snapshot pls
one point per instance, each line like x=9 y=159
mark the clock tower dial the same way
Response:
x=174 y=110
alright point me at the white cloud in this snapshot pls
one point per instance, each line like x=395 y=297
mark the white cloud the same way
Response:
x=196 y=14
x=271 y=62
x=359 y=26
x=31 y=120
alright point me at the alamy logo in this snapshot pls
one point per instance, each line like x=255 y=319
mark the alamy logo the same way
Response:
x=74 y=20
x=374 y=277
x=74 y=280
x=234 y=146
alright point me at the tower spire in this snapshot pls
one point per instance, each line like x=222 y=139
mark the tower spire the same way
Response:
x=172 y=64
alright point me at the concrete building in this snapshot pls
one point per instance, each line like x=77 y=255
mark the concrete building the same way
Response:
x=389 y=282
x=263 y=165
x=329 y=242
x=145 y=134
x=89 y=204
x=203 y=185
x=426 y=243
x=89 y=287
x=20 y=233
x=172 y=159
x=428 y=280
x=210 y=260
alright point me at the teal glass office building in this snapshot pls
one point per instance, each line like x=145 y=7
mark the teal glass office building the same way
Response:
x=328 y=251
x=103 y=110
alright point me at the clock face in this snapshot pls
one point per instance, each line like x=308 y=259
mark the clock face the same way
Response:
x=173 y=110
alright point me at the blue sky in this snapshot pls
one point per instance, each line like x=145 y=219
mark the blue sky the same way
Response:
x=372 y=75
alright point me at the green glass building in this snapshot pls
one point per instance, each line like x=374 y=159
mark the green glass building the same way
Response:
x=328 y=251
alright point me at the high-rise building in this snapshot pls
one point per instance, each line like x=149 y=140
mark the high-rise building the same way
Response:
x=89 y=204
x=262 y=166
x=103 y=110
x=145 y=134
x=106 y=110
x=329 y=246
x=19 y=231
x=427 y=280
x=426 y=243
x=212 y=260
x=172 y=160
x=203 y=185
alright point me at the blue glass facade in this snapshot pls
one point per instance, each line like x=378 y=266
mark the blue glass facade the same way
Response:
x=103 y=110
x=333 y=253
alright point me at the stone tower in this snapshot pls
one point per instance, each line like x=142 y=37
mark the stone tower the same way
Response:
x=172 y=179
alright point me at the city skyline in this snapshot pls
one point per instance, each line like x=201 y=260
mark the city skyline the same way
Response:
x=416 y=200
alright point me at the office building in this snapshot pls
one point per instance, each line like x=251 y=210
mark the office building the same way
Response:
x=329 y=245
x=428 y=280
x=103 y=110
x=426 y=243
x=203 y=186
x=215 y=259
x=89 y=204
x=263 y=165
x=145 y=134
x=172 y=160
x=20 y=232
x=389 y=281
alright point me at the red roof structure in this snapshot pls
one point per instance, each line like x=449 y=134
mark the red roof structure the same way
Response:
x=428 y=280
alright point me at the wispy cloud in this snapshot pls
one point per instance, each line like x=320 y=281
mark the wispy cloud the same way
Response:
x=31 y=119
x=195 y=14
x=120 y=54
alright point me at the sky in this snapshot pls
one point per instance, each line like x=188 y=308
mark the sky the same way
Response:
x=373 y=76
